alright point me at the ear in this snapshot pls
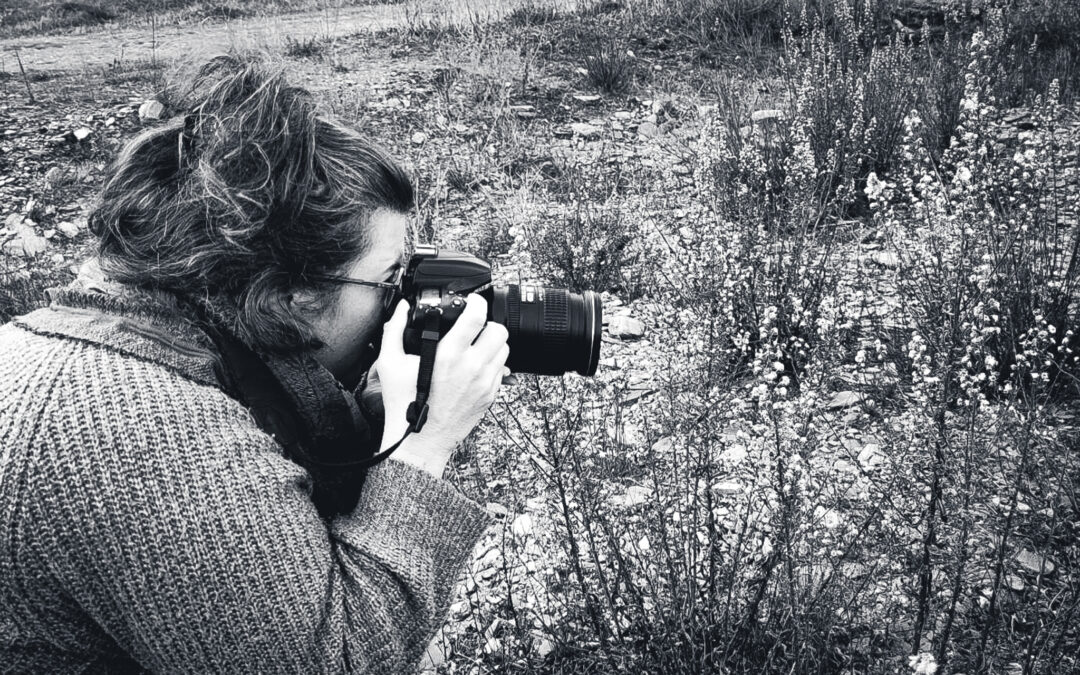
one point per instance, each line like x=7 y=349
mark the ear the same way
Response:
x=303 y=300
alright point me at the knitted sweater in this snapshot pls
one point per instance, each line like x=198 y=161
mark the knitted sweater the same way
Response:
x=147 y=523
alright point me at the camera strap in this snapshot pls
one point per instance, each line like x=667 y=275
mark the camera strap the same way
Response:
x=417 y=413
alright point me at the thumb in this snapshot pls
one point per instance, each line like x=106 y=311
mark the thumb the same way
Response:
x=394 y=330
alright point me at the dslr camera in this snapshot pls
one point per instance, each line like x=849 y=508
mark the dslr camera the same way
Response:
x=552 y=330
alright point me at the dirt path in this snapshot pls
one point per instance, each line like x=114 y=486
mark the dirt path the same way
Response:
x=104 y=47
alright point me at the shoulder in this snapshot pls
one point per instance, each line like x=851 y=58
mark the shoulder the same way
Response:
x=76 y=410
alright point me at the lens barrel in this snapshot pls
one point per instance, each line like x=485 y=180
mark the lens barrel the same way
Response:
x=552 y=331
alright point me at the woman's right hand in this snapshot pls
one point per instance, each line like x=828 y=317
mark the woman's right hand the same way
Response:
x=470 y=363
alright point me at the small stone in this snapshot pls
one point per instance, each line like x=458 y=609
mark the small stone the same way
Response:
x=634 y=495
x=419 y=137
x=53 y=176
x=1015 y=583
x=648 y=130
x=13 y=220
x=845 y=399
x=625 y=327
x=586 y=131
x=622 y=115
x=871 y=457
x=734 y=454
x=542 y=647
x=643 y=544
x=587 y=99
x=1035 y=563
x=26 y=242
x=151 y=110
x=761 y=115
x=491 y=558
x=81 y=134
x=727 y=488
x=49 y=234
x=497 y=510
x=885 y=259
x=68 y=229
x=437 y=652
x=522 y=525
x=460 y=610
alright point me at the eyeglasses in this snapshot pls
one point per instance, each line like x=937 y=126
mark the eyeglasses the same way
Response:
x=389 y=300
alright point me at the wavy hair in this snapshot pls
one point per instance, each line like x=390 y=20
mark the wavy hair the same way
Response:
x=238 y=200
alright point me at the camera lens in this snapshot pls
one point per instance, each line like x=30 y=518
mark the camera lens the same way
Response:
x=552 y=331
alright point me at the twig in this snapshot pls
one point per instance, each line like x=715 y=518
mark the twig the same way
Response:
x=26 y=80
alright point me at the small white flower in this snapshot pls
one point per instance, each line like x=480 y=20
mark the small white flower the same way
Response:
x=923 y=664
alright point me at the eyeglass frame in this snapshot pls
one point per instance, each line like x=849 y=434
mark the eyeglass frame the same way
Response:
x=395 y=286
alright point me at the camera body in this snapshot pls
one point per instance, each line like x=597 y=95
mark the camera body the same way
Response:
x=551 y=331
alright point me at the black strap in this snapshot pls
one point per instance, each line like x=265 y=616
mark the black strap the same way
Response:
x=417 y=413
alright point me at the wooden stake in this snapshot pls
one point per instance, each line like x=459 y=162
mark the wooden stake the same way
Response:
x=26 y=80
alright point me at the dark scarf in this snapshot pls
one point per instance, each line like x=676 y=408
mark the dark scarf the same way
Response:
x=321 y=426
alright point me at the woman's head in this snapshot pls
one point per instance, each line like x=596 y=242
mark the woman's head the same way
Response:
x=246 y=201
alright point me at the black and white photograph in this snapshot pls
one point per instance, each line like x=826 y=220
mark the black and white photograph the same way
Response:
x=540 y=337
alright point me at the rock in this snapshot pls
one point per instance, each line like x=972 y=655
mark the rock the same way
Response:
x=734 y=454
x=435 y=656
x=845 y=399
x=622 y=115
x=419 y=137
x=13 y=220
x=522 y=525
x=491 y=558
x=497 y=510
x=81 y=134
x=151 y=110
x=586 y=131
x=635 y=395
x=53 y=176
x=68 y=229
x=885 y=259
x=727 y=488
x=587 y=99
x=648 y=130
x=626 y=327
x=460 y=610
x=1035 y=563
x=1015 y=583
x=762 y=115
x=664 y=445
x=871 y=457
x=634 y=495
x=26 y=242
x=542 y=647
x=493 y=646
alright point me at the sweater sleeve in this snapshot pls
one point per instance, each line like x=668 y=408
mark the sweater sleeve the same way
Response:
x=180 y=529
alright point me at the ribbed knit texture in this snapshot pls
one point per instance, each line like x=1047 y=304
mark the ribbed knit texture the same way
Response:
x=147 y=523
